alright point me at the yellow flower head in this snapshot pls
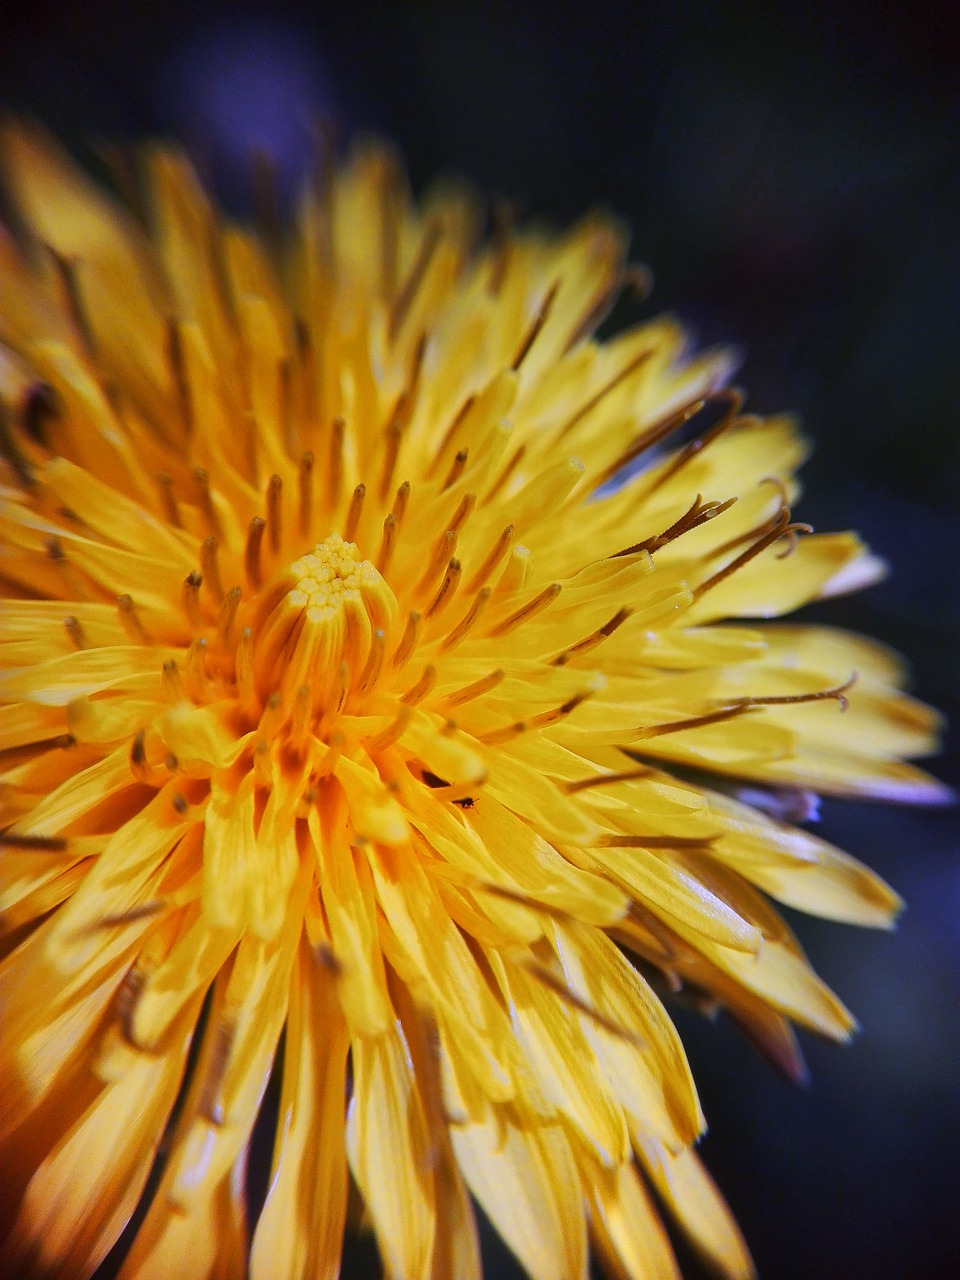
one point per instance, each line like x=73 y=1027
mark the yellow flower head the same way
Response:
x=352 y=699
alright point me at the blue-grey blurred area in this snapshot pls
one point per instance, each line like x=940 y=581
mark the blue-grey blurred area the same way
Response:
x=792 y=174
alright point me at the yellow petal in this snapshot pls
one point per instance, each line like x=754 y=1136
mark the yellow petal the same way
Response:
x=701 y=1212
x=389 y=1151
x=646 y=1066
x=562 y=1061
x=299 y=1233
x=85 y=1190
x=441 y=962
x=626 y=1227
x=525 y=1180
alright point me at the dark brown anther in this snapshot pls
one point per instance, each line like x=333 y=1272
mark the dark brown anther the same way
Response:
x=172 y=681
x=443 y=551
x=419 y=691
x=178 y=376
x=306 y=492
x=467 y=622
x=781 y=527
x=388 y=541
x=530 y=610
x=335 y=467
x=449 y=434
x=130 y=620
x=466 y=505
x=227 y=617
x=191 y=598
x=201 y=479
x=633 y=841
x=607 y=779
x=836 y=694
x=493 y=557
x=393 y=437
x=285 y=415
x=210 y=1105
x=75 y=632
x=792 y=533
x=134 y=981
x=728 y=404
x=68 y=275
x=591 y=641
x=553 y=982
x=400 y=417
x=403 y=302
x=121 y=162
x=447 y=588
x=211 y=568
x=354 y=513
x=251 y=554
x=501 y=481
x=539 y=320
x=274 y=503
x=168 y=500
x=408 y=641
x=306 y=362
x=634 y=278
x=618 y=378
x=502 y=220
x=33 y=843
x=401 y=500
x=542 y=720
x=698 y=513
x=693 y=722
x=457 y=468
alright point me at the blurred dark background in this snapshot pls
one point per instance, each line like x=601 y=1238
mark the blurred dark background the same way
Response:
x=791 y=174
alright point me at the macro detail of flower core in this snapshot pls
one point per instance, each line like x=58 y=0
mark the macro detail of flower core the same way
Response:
x=392 y=697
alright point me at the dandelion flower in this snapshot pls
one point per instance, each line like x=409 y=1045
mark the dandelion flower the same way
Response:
x=362 y=693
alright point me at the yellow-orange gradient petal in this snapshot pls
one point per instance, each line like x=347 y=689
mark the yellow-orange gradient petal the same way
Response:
x=392 y=701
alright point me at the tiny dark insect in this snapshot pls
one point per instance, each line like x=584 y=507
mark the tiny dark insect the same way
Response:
x=433 y=780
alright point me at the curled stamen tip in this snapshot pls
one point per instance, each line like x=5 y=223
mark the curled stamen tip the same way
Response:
x=792 y=532
x=844 y=689
x=778 y=484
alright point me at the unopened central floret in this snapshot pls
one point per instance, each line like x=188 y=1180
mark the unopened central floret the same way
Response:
x=330 y=578
x=326 y=616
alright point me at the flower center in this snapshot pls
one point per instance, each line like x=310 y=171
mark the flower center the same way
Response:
x=332 y=581
x=326 y=618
